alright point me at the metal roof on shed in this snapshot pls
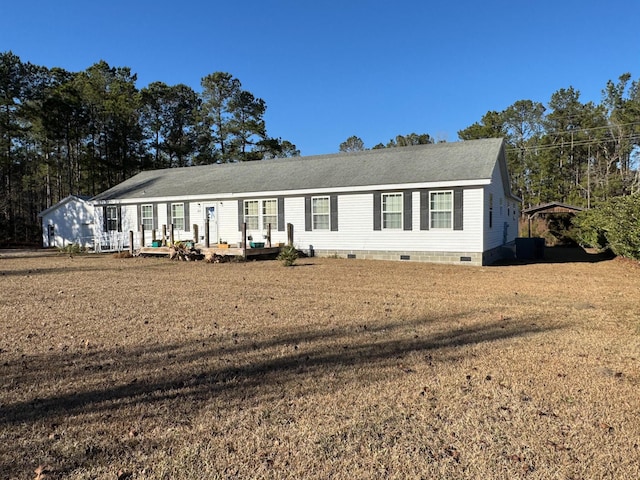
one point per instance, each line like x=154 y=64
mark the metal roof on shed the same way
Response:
x=458 y=161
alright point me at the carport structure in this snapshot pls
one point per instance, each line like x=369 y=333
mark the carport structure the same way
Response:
x=549 y=209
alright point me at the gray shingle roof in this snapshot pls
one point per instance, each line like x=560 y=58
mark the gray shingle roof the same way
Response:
x=468 y=160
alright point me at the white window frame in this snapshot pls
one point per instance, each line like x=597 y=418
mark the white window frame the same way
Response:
x=320 y=219
x=112 y=218
x=252 y=215
x=177 y=220
x=388 y=213
x=146 y=220
x=258 y=214
x=436 y=223
x=269 y=215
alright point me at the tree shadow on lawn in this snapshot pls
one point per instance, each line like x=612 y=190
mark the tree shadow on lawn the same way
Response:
x=72 y=266
x=184 y=371
x=177 y=380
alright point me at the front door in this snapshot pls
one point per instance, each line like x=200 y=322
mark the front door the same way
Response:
x=212 y=222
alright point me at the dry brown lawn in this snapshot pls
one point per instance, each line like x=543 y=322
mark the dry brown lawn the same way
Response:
x=332 y=369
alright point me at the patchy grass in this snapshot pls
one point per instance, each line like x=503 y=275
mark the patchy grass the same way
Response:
x=146 y=368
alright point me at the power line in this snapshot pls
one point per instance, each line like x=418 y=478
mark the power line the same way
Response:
x=631 y=138
x=602 y=127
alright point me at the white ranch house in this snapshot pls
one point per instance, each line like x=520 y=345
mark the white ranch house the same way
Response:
x=447 y=203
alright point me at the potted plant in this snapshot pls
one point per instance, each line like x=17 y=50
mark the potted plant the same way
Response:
x=253 y=244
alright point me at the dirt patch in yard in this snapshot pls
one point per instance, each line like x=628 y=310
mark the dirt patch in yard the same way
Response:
x=147 y=368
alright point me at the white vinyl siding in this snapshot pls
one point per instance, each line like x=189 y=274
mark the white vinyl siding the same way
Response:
x=227 y=220
x=80 y=231
x=441 y=210
x=356 y=233
x=392 y=211
x=498 y=225
x=491 y=210
x=320 y=211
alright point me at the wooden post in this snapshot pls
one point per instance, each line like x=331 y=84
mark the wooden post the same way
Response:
x=244 y=240
x=153 y=235
x=171 y=235
x=131 y=242
x=164 y=235
x=141 y=236
x=195 y=233
x=269 y=235
x=290 y=234
x=206 y=234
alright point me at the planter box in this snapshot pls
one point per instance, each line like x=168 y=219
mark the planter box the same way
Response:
x=222 y=245
x=256 y=244
x=156 y=243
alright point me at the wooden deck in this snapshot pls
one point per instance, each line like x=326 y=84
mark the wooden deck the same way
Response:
x=223 y=252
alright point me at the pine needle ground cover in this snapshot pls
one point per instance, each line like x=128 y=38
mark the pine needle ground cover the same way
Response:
x=145 y=368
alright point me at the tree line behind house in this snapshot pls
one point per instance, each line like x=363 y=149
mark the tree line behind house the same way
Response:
x=568 y=151
x=81 y=133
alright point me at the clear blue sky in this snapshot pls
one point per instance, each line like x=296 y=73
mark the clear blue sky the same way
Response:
x=329 y=69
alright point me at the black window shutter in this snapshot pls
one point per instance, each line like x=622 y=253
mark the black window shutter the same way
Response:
x=457 y=208
x=169 y=220
x=281 y=225
x=377 y=211
x=104 y=218
x=407 y=198
x=139 y=217
x=119 y=213
x=333 y=209
x=240 y=214
x=307 y=214
x=155 y=216
x=424 y=209
x=187 y=225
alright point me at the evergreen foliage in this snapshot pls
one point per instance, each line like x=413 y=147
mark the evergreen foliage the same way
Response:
x=288 y=255
x=352 y=144
x=81 y=133
x=614 y=225
x=569 y=151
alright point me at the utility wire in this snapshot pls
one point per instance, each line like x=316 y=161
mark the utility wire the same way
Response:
x=568 y=144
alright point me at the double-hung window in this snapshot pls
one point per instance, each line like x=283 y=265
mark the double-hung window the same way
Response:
x=320 y=211
x=392 y=210
x=252 y=214
x=112 y=218
x=441 y=209
x=146 y=211
x=259 y=214
x=270 y=214
x=177 y=215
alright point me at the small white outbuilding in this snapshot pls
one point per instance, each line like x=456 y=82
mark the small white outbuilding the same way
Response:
x=70 y=221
